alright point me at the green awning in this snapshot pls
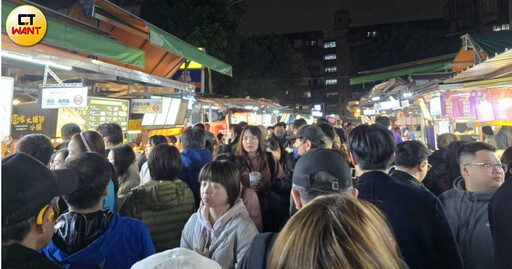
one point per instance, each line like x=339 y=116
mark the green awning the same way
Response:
x=494 y=43
x=68 y=36
x=170 y=43
x=435 y=67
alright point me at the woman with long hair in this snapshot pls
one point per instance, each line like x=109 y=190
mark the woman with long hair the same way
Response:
x=91 y=141
x=336 y=232
x=258 y=169
x=123 y=159
x=254 y=158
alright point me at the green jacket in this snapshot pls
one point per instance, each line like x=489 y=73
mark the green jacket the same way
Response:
x=164 y=206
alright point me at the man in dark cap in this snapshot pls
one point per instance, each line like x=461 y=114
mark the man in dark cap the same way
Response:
x=320 y=172
x=29 y=208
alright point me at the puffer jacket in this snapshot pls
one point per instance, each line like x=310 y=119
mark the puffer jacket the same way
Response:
x=467 y=213
x=127 y=182
x=100 y=239
x=164 y=206
x=227 y=240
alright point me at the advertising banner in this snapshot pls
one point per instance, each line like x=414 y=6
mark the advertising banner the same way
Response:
x=29 y=118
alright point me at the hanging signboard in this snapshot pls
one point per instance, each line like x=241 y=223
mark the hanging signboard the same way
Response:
x=435 y=106
x=172 y=113
x=99 y=110
x=52 y=98
x=29 y=118
x=7 y=86
x=392 y=104
x=369 y=112
x=141 y=106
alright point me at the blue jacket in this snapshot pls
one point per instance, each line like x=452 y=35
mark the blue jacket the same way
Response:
x=193 y=160
x=417 y=219
x=125 y=242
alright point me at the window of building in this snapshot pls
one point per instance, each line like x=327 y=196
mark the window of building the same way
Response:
x=503 y=27
x=330 y=57
x=306 y=94
x=313 y=43
x=332 y=81
x=331 y=69
x=329 y=94
x=371 y=34
x=314 y=68
x=330 y=44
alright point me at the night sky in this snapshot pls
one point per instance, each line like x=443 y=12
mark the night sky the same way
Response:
x=289 y=16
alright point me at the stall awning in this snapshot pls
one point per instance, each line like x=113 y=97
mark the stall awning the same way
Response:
x=497 y=67
x=494 y=43
x=168 y=42
x=74 y=38
x=434 y=67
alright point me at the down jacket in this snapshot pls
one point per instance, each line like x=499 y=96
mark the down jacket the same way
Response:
x=164 y=206
x=227 y=240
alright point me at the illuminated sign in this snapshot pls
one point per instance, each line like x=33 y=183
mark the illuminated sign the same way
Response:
x=435 y=106
x=52 y=98
x=141 y=106
x=173 y=113
x=392 y=104
x=7 y=85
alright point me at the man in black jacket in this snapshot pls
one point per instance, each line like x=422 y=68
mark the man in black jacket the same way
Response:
x=500 y=217
x=319 y=172
x=415 y=215
x=411 y=163
x=29 y=209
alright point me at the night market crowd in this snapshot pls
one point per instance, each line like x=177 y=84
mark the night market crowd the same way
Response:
x=301 y=196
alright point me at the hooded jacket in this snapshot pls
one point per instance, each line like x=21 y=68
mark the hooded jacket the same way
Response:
x=113 y=241
x=193 y=160
x=164 y=206
x=227 y=240
x=468 y=215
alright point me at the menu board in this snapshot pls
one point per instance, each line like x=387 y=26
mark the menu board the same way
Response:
x=460 y=105
x=99 y=110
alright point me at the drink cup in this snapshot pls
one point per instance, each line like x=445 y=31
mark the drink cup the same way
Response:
x=254 y=178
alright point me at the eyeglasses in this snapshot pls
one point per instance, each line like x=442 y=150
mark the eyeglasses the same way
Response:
x=429 y=166
x=489 y=167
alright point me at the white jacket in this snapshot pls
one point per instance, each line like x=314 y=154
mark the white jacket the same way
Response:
x=229 y=238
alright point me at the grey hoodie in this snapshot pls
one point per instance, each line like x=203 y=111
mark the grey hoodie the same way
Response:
x=469 y=219
x=227 y=240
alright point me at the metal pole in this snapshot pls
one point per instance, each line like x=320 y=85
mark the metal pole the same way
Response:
x=210 y=113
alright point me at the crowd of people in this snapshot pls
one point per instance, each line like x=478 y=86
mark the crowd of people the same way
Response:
x=301 y=196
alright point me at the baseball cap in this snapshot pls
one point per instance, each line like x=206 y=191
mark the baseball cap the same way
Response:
x=309 y=132
x=179 y=258
x=28 y=185
x=318 y=160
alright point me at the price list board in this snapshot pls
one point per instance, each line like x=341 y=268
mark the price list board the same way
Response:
x=98 y=111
